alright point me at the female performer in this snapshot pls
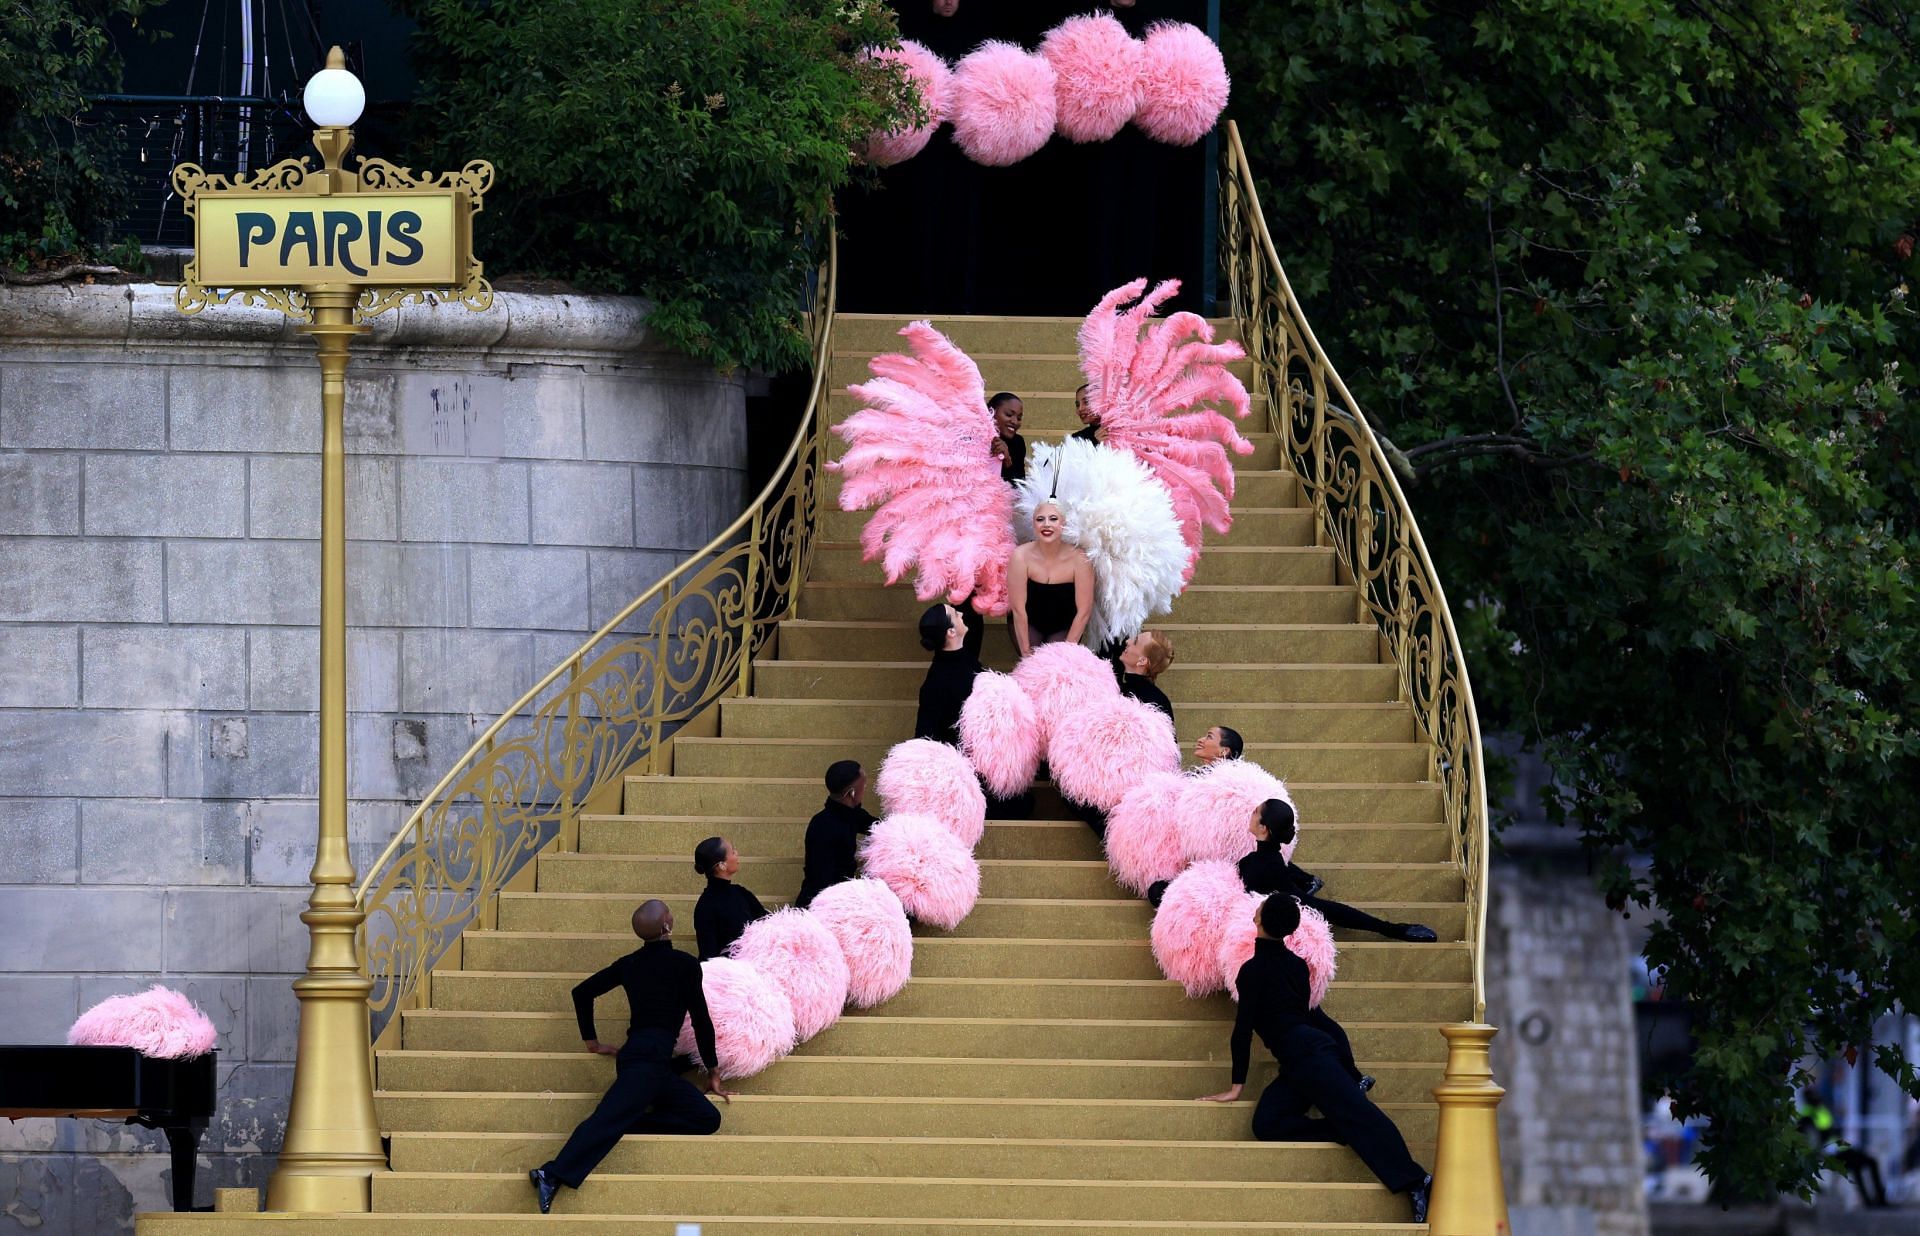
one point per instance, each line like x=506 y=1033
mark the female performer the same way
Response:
x=956 y=662
x=724 y=908
x=1049 y=585
x=1144 y=658
x=1007 y=445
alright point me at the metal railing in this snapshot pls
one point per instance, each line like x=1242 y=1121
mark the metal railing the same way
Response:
x=1361 y=513
x=565 y=747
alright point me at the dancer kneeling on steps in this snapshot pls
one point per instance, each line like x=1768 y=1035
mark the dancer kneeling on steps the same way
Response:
x=663 y=990
x=1273 y=987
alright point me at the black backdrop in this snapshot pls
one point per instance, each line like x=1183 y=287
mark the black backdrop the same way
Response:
x=1048 y=235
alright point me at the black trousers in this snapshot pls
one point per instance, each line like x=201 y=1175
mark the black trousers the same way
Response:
x=1340 y=914
x=1311 y=1076
x=646 y=1097
x=1337 y=1035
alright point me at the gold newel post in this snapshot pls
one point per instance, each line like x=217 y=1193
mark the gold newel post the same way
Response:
x=331 y=246
x=1469 y=1197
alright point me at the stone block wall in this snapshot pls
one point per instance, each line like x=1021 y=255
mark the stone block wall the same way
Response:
x=514 y=479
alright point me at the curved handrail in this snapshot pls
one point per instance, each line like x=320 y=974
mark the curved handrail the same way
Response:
x=572 y=737
x=1361 y=510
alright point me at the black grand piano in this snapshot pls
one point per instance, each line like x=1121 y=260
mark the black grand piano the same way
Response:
x=115 y=1083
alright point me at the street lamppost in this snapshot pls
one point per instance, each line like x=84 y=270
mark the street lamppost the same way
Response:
x=331 y=246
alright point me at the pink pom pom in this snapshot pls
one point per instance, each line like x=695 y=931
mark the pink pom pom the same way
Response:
x=871 y=927
x=157 y=1022
x=1143 y=833
x=1183 y=84
x=932 y=874
x=1216 y=809
x=1192 y=921
x=1096 y=66
x=1003 y=107
x=752 y=1018
x=932 y=80
x=924 y=777
x=1311 y=942
x=1059 y=677
x=1100 y=752
x=801 y=957
x=1000 y=734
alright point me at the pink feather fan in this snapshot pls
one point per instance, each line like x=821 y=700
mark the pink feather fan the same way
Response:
x=932 y=80
x=874 y=935
x=1000 y=734
x=752 y=1018
x=796 y=951
x=157 y=1022
x=1097 y=753
x=1059 y=677
x=933 y=875
x=1143 y=833
x=1003 y=103
x=1145 y=387
x=1311 y=942
x=1191 y=923
x=918 y=450
x=1183 y=84
x=927 y=778
x=1097 y=65
x=1216 y=809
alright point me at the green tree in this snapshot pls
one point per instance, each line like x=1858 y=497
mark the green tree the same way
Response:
x=1625 y=283
x=58 y=193
x=683 y=150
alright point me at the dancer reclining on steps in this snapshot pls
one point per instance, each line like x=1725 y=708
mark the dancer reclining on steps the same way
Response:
x=1273 y=988
x=724 y=908
x=834 y=833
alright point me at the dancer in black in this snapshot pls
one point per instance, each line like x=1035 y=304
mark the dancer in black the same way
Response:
x=1049 y=585
x=663 y=990
x=1140 y=662
x=724 y=908
x=1273 y=989
x=1266 y=870
x=834 y=833
x=1007 y=445
x=1089 y=419
x=944 y=632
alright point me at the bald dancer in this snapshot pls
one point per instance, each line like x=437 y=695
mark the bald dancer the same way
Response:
x=663 y=989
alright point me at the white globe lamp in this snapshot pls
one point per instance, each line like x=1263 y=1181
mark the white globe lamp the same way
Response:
x=334 y=97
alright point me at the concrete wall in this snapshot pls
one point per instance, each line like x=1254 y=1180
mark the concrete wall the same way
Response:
x=514 y=478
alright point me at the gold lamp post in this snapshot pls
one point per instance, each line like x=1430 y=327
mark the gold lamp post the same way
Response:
x=331 y=246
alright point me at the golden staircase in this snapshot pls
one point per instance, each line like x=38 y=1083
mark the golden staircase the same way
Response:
x=1037 y=1072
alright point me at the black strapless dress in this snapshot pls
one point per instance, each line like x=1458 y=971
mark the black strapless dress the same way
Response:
x=1050 y=611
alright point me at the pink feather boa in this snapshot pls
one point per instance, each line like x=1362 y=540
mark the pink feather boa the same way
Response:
x=157 y=1022
x=752 y=1018
x=932 y=80
x=801 y=957
x=1098 y=753
x=922 y=777
x=1143 y=833
x=871 y=927
x=1000 y=734
x=1183 y=84
x=1311 y=942
x=933 y=874
x=1216 y=809
x=1192 y=921
x=1096 y=66
x=1003 y=104
x=1063 y=677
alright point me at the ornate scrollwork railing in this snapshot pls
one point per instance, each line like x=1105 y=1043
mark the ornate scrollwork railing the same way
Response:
x=565 y=746
x=1363 y=515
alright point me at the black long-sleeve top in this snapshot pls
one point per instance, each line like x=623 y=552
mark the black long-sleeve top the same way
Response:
x=721 y=914
x=1267 y=871
x=1014 y=466
x=833 y=839
x=1273 y=987
x=663 y=990
x=1140 y=687
x=948 y=683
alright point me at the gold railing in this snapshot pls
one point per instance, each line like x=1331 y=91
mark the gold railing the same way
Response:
x=1363 y=515
x=566 y=745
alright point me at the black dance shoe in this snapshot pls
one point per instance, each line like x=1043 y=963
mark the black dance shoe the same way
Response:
x=1417 y=933
x=1365 y=1083
x=1419 y=1196
x=1314 y=885
x=546 y=1186
x=1156 y=891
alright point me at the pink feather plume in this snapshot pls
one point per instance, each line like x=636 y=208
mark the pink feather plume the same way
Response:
x=1216 y=809
x=752 y=1018
x=1000 y=734
x=1145 y=388
x=934 y=876
x=926 y=778
x=1311 y=942
x=1059 y=677
x=1097 y=753
x=1097 y=67
x=932 y=80
x=918 y=450
x=157 y=1022
x=874 y=936
x=796 y=951
x=1191 y=923
x=1183 y=84
x=1003 y=103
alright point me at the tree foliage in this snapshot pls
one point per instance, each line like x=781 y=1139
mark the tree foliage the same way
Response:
x=58 y=193
x=683 y=150
x=1626 y=283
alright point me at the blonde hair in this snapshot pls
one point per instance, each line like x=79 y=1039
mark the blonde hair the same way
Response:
x=1158 y=650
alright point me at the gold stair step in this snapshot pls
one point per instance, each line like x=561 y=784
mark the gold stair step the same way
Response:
x=1186 y=680
x=654 y=1224
x=1219 y=564
x=1270 y=487
x=763 y=716
x=1252 y=525
x=873 y=601
x=1013 y=371
x=876 y=332
x=1323 y=643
